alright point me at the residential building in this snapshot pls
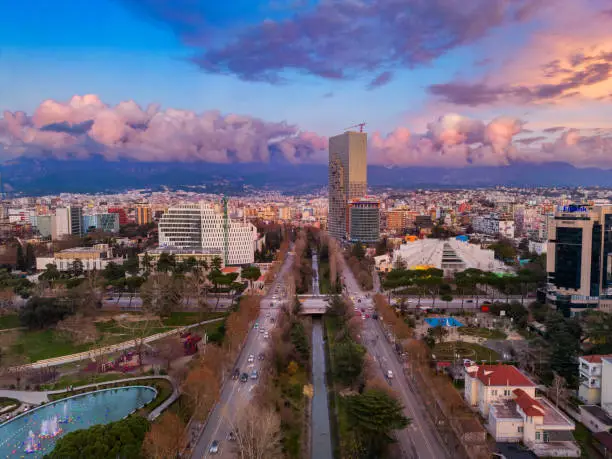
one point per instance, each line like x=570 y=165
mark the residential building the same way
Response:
x=494 y=225
x=364 y=220
x=43 y=225
x=579 y=257
x=199 y=226
x=487 y=384
x=60 y=223
x=506 y=398
x=108 y=223
x=143 y=215
x=347 y=178
x=606 y=384
x=396 y=220
x=96 y=257
x=76 y=220
x=123 y=217
x=590 y=368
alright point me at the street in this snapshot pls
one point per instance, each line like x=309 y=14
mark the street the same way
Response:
x=420 y=439
x=235 y=394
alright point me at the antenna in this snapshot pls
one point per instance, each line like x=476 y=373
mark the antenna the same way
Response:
x=360 y=126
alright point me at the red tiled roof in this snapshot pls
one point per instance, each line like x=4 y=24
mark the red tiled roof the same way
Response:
x=594 y=358
x=231 y=269
x=604 y=438
x=530 y=406
x=503 y=375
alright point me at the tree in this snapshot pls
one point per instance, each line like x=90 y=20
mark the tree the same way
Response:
x=558 y=389
x=77 y=268
x=201 y=386
x=21 y=261
x=258 y=434
x=349 y=360
x=598 y=331
x=161 y=294
x=447 y=298
x=121 y=439
x=146 y=263
x=132 y=266
x=50 y=274
x=113 y=272
x=358 y=251
x=216 y=263
x=165 y=438
x=373 y=415
x=40 y=312
x=166 y=262
x=251 y=273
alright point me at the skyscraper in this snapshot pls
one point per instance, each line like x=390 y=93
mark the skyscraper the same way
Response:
x=347 y=177
x=579 y=258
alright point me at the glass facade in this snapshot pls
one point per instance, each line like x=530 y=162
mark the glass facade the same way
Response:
x=568 y=257
x=596 y=260
x=607 y=250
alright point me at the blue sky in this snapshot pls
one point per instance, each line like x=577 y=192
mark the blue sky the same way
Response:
x=312 y=65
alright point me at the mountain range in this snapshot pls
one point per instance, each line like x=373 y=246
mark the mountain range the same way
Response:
x=39 y=176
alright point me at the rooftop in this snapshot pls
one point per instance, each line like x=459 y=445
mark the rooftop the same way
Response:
x=529 y=405
x=594 y=358
x=500 y=375
x=598 y=413
x=176 y=251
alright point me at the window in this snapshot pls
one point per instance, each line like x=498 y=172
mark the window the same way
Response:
x=538 y=436
x=507 y=392
x=494 y=392
x=521 y=429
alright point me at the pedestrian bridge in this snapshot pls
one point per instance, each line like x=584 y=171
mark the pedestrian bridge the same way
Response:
x=313 y=305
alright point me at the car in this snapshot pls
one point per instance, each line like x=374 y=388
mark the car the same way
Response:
x=251 y=358
x=261 y=357
x=363 y=316
x=272 y=319
x=254 y=374
x=469 y=301
x=236 y=374
x=214 y=447
x=359 y=300
x=231 y=436
x=268 y=314
x=244 y=377
x=367 y=316
x=266 y=335
x=389 y=374
x=262 y=330
x=256 y=325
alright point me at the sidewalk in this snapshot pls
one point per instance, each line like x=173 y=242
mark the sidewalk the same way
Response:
x=55 y=361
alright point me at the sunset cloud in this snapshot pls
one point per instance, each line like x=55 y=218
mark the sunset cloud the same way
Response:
x=85 y=126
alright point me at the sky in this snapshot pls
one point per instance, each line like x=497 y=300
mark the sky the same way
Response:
x=437 y=82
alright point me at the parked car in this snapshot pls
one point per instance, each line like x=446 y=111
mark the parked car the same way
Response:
x=231 y=436
x=244 y=377
x=251 y=358
x=261 y=357
x=266 y=335
x=254 y=374
x=236 y=374
x=389 y=374
x=214 y=447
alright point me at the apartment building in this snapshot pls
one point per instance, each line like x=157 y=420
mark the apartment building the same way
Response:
x=493 y=225
x=364 y=220
x=590 y=368
x=506 y=398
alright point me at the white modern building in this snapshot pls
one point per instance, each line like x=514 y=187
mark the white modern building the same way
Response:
x=67 y=221
x=450 y=255
x=199 y=226
x=493 y=225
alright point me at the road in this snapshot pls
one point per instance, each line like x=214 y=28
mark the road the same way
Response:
x=236 y=395
x=420 y=440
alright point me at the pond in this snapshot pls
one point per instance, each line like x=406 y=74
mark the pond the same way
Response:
x=34 y=434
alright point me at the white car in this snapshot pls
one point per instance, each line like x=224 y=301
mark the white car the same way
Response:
x=251 y=358
x=389 y=374
x=266 y=335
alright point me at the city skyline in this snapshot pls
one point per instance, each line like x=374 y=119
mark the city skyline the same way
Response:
x=154 y=81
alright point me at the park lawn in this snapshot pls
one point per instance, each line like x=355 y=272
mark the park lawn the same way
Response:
x=45 y=344
x=9 y=321
x=488 y=333
x=178 y=319
x=444 y=351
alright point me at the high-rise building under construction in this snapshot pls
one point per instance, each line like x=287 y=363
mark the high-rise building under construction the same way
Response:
x=347 y=178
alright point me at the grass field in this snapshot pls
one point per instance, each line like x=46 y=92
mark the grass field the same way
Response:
x=444 y=351
x=9 y=321
x=486 y=333
x=45 y=344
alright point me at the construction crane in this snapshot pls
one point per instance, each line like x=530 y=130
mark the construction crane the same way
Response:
x=224 y=201
x=360 y=126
